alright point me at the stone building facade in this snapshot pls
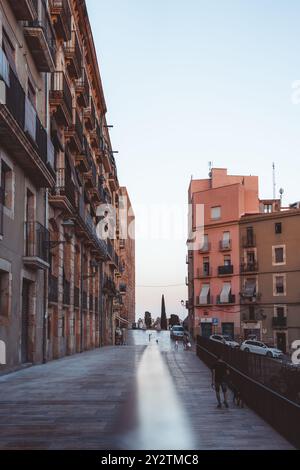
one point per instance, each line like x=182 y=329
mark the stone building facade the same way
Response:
x=59 y=255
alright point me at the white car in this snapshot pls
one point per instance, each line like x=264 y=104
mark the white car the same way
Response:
x=177 y=332
x=224 y=339
x=258 y=347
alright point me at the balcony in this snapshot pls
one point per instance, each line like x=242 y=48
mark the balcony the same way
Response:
x=2 y=201
x=206 y=248
x=203 y=273
x=90 y=115
x=76 y=297
x=73 y=56
x=21 y=131
x=62 y=18
x=60 y=98
x=249 y=241
x=208 y=301
x=41 y=39
x=279 y=322
x=91 y=178
x=83 y=90
x=225 y=270
x=109 y=286
x=86 y=227
x=37 y=240
x=113 y=257
x=231 y=300
x=63 y=196
x=84 y=159
x=24 y=10
x=249 y=267
x=66 y=292
x=225 y=245
x=251 y=316
x=74 y=134
x=53 y=289
x=96 y=138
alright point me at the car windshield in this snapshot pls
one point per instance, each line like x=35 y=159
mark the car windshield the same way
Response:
x=178 y=328
x=227 y=338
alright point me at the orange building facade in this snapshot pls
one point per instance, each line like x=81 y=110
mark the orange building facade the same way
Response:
x=214 y=267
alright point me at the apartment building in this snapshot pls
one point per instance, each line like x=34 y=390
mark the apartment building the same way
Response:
x=270 y=273
x=127 y=253
x=59 y=257
x=27 y=166
x=214 y=267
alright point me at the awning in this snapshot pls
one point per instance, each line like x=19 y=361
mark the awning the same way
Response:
x=225 y=294
x=204 y=294
x=250 y=288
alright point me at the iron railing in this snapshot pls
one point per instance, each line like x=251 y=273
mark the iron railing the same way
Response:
x=43 y=22
x=270 y=387
x=225 y=270
x=231 y=300
x=65 y=185
x=37 y=239
x=66 y=292
x=59 y=84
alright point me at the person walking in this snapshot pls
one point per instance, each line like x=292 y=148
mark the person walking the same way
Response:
x=220 y=372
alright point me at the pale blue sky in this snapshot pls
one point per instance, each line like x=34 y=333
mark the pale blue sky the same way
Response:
x=191 y=82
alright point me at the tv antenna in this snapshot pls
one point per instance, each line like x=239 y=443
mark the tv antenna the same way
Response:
x=210 y=165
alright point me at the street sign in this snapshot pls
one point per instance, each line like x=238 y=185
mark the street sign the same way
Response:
x=215 y=321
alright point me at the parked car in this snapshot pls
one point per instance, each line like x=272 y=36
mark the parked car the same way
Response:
x=177 y=332
x=263 y=349
x=224 y=339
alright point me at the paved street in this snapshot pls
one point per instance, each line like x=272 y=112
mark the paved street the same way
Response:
x=144 y=395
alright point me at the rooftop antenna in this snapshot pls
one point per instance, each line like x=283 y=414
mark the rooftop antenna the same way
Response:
x=210 y=165
x=281 y=192
x=274 y=181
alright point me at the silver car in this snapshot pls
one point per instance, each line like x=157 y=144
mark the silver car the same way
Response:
x=258 y=347
x=177 y=332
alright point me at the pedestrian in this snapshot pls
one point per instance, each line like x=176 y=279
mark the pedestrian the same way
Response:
x=220 y=372
x=149 y=337
x=176 y=345
x=157 y=341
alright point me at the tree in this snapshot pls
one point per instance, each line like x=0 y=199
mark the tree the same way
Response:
x=148 y=320
x=163 y=318
x=174 y=320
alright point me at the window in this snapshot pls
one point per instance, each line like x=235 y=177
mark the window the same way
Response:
x=216 y=213
x=278 y=228
x=5 y=287
x=251 y=258
x=251 y=312
x=280 y=311
x=225 y=296
x=226 y=240
x=279 y=285
x=206 y=266
x=8 y=49
x=278 y=255
x=6 y=185
x=205 y=243
x=227 y=260
x=204 y=298
x=268 y=208
x=31 y=93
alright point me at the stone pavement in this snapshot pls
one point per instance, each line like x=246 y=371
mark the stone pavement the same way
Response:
x=83 y=401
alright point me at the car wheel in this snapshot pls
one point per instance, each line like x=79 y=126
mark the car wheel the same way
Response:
x=269 y=354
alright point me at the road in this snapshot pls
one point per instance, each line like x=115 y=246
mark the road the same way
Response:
x=140 y=396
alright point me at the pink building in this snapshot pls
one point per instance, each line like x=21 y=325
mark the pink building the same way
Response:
x=214 y=270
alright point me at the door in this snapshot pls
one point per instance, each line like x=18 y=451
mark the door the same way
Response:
x=228 y=329
x=281 y=342
x=25 y=321
x=206 y=330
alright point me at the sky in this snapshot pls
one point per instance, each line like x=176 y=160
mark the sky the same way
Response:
x=187 y=83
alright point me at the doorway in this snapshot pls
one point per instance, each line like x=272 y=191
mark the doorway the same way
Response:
x=206 y=330
x=281 y=341
x=228 y=329
x=25 y=321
